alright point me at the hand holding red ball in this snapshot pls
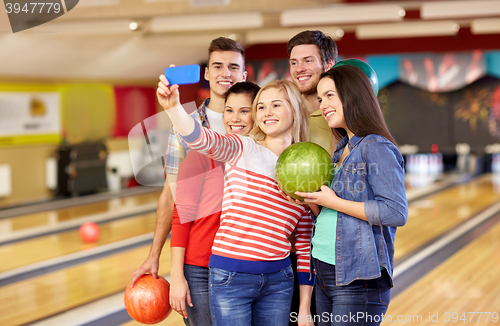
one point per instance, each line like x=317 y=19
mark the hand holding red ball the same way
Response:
x=147 y=301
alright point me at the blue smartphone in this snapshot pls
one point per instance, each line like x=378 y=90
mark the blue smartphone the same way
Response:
x=182 y=75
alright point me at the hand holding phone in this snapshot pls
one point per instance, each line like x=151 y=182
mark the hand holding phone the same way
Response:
x=181 y=75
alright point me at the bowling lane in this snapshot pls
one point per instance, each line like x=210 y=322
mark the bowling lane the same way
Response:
x=115 y=206
x=42 y=296
x=35 y=250
x=468 y=281
x=174 y=319
x=437 y=214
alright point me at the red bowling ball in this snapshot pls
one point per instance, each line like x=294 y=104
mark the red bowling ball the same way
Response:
x=89 y=232
x=148 y=300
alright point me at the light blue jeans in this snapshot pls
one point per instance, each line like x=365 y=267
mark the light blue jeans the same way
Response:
x=243 y=299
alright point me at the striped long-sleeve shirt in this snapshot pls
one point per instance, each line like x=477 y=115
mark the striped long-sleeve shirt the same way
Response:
x=256 y=220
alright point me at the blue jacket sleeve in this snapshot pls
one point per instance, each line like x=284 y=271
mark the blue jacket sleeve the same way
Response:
x=385 y=176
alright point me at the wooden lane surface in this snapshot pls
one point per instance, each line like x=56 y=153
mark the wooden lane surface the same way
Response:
x=38 y=249
x=42 y=296
x=434 y=215
x=468 y=281
x=35 y=250
x=174 y=319
x=49 y=294
x=18 y=223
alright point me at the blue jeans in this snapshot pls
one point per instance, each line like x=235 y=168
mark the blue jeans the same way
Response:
x=197 y=278
x=360 y=303
x=243 y=299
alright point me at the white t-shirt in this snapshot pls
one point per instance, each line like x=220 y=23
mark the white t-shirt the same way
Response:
x=216 y=121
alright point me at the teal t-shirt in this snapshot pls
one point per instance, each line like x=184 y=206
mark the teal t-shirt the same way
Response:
x=323 y=241
x=325 y=233
x=325 y=230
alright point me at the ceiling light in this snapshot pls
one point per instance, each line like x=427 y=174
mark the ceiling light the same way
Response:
x=407 y=29
x=485 y=26
x=341 y=15
x=283 y=35
x=209 y=3
x=98 y=3
x=459 y=9
x=133 y=26
x=206 y=22
x=198 y=3
x=87 y=27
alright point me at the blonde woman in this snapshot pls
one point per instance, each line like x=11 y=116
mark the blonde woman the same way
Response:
x=250 y=277
x=196 y=218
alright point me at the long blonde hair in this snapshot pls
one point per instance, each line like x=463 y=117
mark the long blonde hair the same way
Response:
x=299 y=110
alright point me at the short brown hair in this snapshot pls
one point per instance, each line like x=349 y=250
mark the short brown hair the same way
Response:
x=326 y=45
x=225 y=44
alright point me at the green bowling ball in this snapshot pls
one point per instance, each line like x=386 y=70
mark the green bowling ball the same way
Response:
x=304 y=167
x=372 y=75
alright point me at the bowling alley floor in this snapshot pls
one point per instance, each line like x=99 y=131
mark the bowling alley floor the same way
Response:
x=447 y=258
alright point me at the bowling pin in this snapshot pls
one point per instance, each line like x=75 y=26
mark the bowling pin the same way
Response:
x=409 y=163
x=495 y=163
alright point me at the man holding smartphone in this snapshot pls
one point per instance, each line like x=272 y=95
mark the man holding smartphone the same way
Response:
x=226 y=66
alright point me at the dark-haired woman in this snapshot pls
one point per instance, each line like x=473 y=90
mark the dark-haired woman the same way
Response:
x=353 y=242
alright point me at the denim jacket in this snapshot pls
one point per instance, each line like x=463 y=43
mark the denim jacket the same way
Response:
x=373 y=173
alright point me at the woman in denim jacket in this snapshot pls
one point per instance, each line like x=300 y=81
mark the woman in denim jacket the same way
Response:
x=353 y=242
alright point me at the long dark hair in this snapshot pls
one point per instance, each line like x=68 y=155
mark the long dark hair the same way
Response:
x=361 y=109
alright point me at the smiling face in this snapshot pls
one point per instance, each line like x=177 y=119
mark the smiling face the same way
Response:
x=238 y=114
x=274 y=114
x=224 y=69
x=330 y=104
x=305 y=67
